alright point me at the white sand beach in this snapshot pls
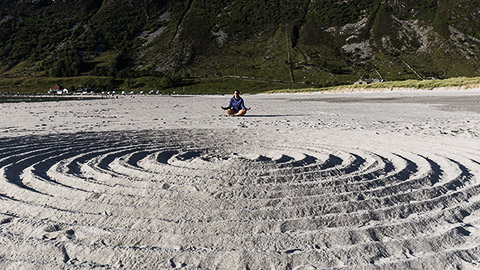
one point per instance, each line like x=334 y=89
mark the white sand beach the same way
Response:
x=364 y=180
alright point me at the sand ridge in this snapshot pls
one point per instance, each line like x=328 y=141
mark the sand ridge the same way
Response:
x=308 y=185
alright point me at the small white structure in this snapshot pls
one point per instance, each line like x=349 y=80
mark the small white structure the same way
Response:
x=62 y=92
x=368 y=81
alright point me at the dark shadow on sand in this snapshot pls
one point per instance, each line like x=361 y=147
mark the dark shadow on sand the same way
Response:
x=272 y=115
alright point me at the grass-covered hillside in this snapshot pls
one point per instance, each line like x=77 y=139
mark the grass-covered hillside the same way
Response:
x=209 y=45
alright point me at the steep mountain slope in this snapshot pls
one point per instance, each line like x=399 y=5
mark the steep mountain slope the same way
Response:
x=319 y=42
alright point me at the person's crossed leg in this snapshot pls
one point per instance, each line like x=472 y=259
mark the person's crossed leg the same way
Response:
x=236 y=113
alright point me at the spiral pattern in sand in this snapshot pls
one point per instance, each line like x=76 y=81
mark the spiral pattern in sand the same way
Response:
x=205 y=199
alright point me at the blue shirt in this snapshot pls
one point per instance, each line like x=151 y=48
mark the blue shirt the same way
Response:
x=236 y=104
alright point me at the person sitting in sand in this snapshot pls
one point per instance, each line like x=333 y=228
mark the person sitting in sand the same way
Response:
x=236 y=106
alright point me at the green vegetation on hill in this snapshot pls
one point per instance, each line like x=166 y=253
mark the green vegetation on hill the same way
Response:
x=39 y=85
x=198 y=44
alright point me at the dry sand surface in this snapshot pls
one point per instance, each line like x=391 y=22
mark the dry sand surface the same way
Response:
x=304 y=181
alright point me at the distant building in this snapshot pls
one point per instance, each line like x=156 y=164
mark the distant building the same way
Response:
x=58 y=89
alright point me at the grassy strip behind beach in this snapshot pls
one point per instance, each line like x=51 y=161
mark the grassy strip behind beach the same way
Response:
x=41 y=85
x=464 y=82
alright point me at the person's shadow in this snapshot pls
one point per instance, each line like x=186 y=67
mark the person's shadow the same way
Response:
x=271 y=115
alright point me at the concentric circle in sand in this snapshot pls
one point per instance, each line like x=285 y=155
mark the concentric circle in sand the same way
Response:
x=205 y=199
